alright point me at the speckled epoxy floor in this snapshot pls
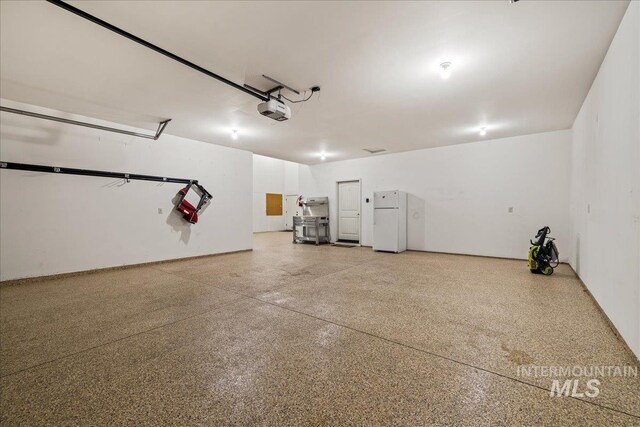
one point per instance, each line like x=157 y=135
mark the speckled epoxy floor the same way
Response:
x=304 y=335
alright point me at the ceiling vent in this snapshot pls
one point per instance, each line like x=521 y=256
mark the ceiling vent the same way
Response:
x=374 y=150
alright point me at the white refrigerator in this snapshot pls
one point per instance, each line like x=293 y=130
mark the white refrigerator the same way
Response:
x=390 y=221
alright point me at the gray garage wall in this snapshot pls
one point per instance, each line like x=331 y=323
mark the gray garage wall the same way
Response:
x=271 y=176
x=62 y=223
x=459 y=196
x=605 y=184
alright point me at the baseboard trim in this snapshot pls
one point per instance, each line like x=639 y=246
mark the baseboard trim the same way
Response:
x=473 y=255
x=461 y=254
x=12 y=282
x=613 y=327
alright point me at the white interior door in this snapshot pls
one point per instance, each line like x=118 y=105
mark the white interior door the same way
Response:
x=290 y=210
x=349 y=210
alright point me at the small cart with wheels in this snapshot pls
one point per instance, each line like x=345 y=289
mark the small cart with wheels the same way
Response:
x=311 y=229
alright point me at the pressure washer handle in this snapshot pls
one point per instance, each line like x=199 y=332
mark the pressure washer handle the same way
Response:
x=541 y=236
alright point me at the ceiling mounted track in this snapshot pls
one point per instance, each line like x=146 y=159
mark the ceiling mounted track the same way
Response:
x=158 y=49
x=189 y=212
x=90 y=172
x=161 y=126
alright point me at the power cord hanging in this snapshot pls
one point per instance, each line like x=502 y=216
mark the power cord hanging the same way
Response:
x=313 y=90
x=301 y=100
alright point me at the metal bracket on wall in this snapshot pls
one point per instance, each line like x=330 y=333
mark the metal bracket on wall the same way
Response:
x=161 y=126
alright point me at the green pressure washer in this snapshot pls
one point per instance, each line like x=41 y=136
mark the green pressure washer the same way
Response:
x=543 y=256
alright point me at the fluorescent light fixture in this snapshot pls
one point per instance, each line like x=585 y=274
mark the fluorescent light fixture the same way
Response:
x=234 y=134
x=483 y=131
x=445 y=70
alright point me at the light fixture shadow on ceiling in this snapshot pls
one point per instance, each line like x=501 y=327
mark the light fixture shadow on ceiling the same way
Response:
x=445 y=69
x=374 y=150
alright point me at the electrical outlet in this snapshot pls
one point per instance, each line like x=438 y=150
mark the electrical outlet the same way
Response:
x=160 y=210
x=510 y=209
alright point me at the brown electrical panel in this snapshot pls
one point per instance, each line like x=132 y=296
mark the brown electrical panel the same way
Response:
x=274 y=204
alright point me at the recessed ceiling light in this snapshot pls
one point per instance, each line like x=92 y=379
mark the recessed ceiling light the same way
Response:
x=483 y=131
x=234 y=134
x=445 y=70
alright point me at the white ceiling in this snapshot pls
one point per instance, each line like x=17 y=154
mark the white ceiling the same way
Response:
x=518 y=69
